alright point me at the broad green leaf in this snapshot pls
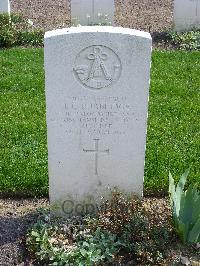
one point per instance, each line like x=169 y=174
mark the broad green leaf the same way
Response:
x=194 y=235
x=182 y=231
x=196 y=207
x=182 y=181
x=83 y=252
x=179 y=191
x=171 y=189
x=34 y=233
x=186 y=206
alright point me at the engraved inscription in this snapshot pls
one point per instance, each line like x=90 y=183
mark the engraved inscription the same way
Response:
x=97 y=67
x=96 y=151
x=98 y=116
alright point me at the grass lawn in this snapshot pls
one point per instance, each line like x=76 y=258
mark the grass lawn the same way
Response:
x=173 y=141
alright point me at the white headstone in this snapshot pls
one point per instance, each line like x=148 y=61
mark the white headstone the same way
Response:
x=4 y=6
x=186 y=14
x=97 y=87
x=92 y=12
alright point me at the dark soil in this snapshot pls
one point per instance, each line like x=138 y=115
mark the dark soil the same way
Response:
x=16 y=216
x=148 y=15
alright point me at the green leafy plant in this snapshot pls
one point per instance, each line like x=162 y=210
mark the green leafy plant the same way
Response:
x=145 y=243
x=189 y=40
x=33 y=38
x=185 y=209
x=139 y=241
x=121 y=232
x=116 y=212
x=7 y=32
x=14 y=30
x=70 y=243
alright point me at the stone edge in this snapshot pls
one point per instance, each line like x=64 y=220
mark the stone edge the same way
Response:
x=95 y=29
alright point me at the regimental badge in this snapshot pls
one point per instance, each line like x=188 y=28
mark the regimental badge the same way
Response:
x=97 y=67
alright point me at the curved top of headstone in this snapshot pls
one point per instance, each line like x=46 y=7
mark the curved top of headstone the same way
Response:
x=95 y=29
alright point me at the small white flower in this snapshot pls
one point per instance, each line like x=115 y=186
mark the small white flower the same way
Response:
x=30 y=22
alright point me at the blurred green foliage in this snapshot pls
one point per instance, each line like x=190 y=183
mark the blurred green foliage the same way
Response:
x=15 y=31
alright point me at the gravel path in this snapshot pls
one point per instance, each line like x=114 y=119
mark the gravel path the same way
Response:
x=148 y=15
x=15 y=218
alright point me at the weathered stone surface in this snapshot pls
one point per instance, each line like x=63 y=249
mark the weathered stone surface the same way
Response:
x=186 y=14
x=92 y=12
x=5 y=6
x=97 y=86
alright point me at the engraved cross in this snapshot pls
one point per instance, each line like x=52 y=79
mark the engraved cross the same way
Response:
x=97 y=151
